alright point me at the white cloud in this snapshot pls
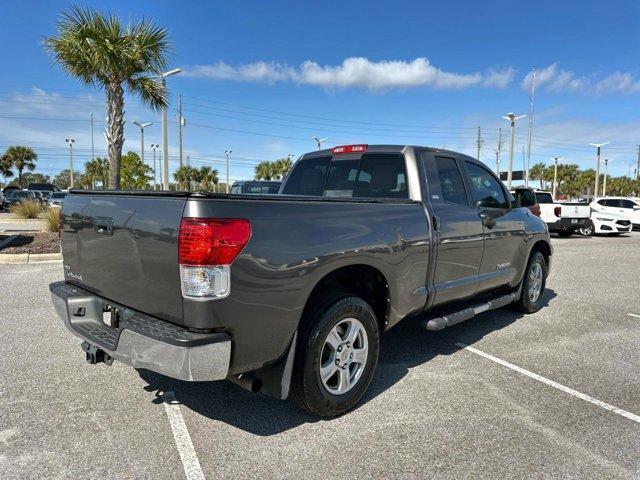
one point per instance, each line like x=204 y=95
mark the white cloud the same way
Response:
x=356 y=72
x=556 y=79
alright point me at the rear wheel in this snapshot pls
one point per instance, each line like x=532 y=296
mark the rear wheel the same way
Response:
x=336 y=357
x=534 y=283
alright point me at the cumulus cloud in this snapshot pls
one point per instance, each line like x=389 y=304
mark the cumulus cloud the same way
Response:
x=356 y=72
x=556 y=79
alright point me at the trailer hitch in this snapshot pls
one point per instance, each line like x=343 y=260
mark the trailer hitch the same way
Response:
x=96 y=355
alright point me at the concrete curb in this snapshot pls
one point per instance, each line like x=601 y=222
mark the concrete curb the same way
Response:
x=21 y=220
x=24 y=258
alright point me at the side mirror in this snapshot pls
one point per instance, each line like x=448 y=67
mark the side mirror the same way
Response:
x=636 y=207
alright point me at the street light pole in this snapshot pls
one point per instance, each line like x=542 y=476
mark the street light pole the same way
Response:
x=180 y=125
x=512 y=121
x=555 y=176
x=165 y=133
x=226 y=156
x=154 y=146
x=604 y=185
x=319 y=141
x=142 y=127
x=598 y=146
x=70 y=141
x=533 y=89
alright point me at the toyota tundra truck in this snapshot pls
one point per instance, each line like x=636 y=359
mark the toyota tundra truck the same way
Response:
x=289 y=294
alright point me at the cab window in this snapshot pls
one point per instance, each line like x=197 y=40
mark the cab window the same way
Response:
x=486 y=190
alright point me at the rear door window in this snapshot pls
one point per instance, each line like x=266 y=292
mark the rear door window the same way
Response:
x=448 y=185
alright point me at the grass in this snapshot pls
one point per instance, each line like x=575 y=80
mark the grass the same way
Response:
x=26 y=209
x=51 y=219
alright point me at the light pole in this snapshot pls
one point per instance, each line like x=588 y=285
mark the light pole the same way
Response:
x=598 y=145
x=512 y=121
x=555 y=175
x=319 y=141
x=604 y=185
x=165 y=133
x=181 y=123
x=226 y=156
x=142 y=127
x=154 y=146
x=630 y=164
x=70 y=141
x=533 y=88
x=93 y=156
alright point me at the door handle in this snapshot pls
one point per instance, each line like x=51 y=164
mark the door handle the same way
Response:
x=487 y=221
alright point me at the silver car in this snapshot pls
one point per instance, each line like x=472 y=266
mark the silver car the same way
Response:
x=56 y=199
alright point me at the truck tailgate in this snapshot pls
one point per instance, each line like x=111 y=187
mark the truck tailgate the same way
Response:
x=574 y=210
x=125 y=248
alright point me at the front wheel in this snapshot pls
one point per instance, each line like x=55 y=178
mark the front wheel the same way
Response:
x=336 y=357
x=534 y=283
x=588 y=229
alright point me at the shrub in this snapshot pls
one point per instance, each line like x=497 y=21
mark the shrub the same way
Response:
x=51 y=219
x=26 y=209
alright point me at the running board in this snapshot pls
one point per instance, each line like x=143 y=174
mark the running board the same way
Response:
x=468 y=313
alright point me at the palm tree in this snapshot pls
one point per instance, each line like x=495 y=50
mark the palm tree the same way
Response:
x=537 y=172
x=185 y=175
x=264 y=171
x=21 y=158
x=103 y=53
x=208 y=177
x=98 y=171
x=282 y=167
x=5 y=167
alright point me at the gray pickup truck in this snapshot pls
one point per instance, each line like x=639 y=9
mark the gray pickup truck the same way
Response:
x=290 y=292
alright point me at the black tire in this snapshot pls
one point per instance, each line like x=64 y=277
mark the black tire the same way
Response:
x=588 y=230
x=565 y=233
x=525 y=304
x=307 y=388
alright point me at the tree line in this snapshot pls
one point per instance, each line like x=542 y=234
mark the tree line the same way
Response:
x=275 y=170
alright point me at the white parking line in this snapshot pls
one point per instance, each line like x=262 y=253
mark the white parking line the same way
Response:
x=633 y=315
x=190 y=462
x=551 y=383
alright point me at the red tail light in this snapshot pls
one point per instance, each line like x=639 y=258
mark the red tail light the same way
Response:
x=349 y=149
x=212 y=241
x=557 y=211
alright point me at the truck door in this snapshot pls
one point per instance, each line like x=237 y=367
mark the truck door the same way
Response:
x=459 y=236
x=504 y=228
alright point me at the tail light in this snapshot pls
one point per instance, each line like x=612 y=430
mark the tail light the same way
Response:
x=206 y=249
x=557 y=211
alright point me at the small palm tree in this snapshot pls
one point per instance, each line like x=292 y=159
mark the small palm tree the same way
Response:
x=538 y=172
x=103 y=53
x=21 y=158
x=264 y=171
x=98 y=171
x=208 y=178
x=185 y=175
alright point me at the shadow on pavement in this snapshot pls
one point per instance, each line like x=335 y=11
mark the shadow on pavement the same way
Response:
x=403 y=347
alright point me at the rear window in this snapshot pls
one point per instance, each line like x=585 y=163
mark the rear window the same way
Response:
x=373 y=175
x=544 y=197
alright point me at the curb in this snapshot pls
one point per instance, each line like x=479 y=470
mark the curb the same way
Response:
x=25 y=258
x=21 y=220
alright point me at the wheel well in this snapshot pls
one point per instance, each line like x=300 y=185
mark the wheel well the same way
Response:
x=544 y=248
x=362 y=281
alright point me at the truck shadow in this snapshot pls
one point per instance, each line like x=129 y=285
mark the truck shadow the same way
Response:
x=403 y=347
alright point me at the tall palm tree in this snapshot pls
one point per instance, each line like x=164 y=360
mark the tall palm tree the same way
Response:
x=537 y=172
x=103 y=53
x=264 y=171
x=5 y=167
x=185 y=175
x=21 y=158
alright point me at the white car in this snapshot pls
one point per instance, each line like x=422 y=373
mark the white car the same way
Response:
x=629 y=208
x=612 y=224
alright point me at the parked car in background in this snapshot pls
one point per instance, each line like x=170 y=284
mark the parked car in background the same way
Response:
x=56 y=199
x=629 y=208
x=43 y=187
x=526 y=197
x=17 y=196
x=611 y=224
x=256 y=187
x=291 y=292
x=562 y=218
x=3 y=202
x=8 y=189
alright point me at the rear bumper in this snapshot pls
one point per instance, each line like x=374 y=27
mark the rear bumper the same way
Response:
x=568 y=224
x=143 y=341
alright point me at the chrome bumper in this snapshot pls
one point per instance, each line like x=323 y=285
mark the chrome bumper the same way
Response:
x=142 y=341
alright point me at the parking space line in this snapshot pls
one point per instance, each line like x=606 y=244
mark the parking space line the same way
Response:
x=190 y=462
x=551 y=383
x=633 y=315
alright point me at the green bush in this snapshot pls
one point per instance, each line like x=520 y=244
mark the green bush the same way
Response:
x=26 y=209
x=51 y=219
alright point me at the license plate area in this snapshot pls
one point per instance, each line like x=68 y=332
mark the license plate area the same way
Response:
x=574 y=220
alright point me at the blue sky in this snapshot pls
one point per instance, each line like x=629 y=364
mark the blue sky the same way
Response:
x=261 y=78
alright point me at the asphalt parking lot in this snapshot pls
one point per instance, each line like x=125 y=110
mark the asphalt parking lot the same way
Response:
x=554 y=394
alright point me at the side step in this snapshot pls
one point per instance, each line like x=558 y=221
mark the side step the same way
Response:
x=468 y=313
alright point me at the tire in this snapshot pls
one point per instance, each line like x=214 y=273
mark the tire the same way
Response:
x=529 y=303
x=588 y=230
x=565 y=233
x=319 y=350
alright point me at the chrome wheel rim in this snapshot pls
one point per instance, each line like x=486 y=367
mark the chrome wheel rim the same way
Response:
x=586 y=231
x=344 y=356
x=535 y=282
